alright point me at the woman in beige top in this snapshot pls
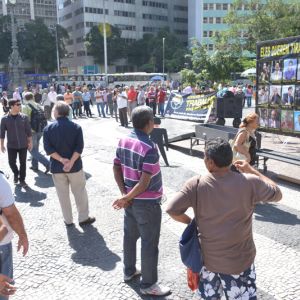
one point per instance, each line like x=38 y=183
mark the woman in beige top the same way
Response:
x=245 y=141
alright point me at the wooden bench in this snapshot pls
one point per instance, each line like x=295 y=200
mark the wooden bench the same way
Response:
x=267 y=154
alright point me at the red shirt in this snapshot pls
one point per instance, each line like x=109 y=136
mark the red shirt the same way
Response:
x=152 y=96
x=132 y=94
x=161 y=96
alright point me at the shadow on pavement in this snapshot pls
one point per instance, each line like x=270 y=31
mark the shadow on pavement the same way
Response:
x=186 y=151
x=135 y=285
x=90 y=248
x=273 y=214
x=29 y=195
x=44 y=181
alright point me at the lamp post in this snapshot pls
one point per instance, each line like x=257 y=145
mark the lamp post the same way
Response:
x=164 y=59
x=15 y=60
x=105 y=41
x=56 y=40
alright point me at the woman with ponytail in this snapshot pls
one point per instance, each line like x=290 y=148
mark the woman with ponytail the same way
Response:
x=244 y=146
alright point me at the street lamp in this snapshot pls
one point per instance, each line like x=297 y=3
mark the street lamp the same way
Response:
x=15 y=60
x=105 y=41
x=164 y=58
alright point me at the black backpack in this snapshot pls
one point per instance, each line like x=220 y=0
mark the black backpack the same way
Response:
x=38 y=120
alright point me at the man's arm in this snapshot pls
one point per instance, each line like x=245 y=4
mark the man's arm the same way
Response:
x=119 y=178
x=16 y=222
x=139 y=188
x=2 y=134
x=3 y=230
x=265 y=189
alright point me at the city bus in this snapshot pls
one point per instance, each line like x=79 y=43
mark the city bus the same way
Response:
x=109 y=80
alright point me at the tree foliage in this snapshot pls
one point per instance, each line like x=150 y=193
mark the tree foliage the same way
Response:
x=37 y=44
x=95 y=44
x=263 y=20
x=147 y=53
x=5 y=39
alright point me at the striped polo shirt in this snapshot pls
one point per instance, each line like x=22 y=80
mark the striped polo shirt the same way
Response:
x=136 y=154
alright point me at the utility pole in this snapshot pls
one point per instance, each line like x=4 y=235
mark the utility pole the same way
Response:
x=105 y=41
x=164 y=59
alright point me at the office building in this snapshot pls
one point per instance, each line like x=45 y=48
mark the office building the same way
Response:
x=206 y=17
x=26 y=10
x=133 y=17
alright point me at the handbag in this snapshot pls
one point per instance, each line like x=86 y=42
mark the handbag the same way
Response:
x=237 y=155
x=189 y=246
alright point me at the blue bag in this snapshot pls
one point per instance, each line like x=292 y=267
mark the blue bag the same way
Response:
x=190 y=250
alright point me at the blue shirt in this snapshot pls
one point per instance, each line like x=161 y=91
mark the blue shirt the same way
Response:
x=86 y=97
x=63 y=137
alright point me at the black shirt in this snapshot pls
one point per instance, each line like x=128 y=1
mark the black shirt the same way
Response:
x=63 y=137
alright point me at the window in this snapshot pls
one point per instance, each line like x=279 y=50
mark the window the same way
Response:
x=211 y=33
x=78 y=11
x=225 y=6
x=155 y=17
x=205 y=34
x=81 y=53
x=126 y=27
x=218 y=20
x=211 y=20
x=79 y=25
x=205 y=6
x=180 y=7
x=125 y=1
x=205 y=20
x=94 y=10
x=211 y=6
x=123 y=13
x=155 y=4
x=70 y=42
x=80 y=40
x=180 y=31
x=218 y=6
x=181 y=20
x=210 y=47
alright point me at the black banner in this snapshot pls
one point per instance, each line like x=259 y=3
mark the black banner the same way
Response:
x=190 y=106
x=278 y=85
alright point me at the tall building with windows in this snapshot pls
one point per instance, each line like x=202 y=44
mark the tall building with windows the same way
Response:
x=26 y=10
x=133 y=17
x=206 y=17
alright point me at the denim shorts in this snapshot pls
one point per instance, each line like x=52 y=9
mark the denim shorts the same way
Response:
x=6 y=260
x=6 y=257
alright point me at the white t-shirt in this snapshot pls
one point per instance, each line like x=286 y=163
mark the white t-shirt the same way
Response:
x=52 y=97
x=6 y=199
x=122 y=100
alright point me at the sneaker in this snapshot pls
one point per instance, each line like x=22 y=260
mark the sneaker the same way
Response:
x=156 y=290
x=88 y=221
x=135 y=274
x=23 y=184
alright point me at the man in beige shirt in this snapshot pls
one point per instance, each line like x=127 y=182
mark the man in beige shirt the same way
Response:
x=223 y=202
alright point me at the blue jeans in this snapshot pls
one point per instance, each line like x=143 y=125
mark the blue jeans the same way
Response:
x=6 y=262
x=101 y=105
x=142 y=220
x=76 y=108
x=161 y=108
x=249 y=99
x=37 y=157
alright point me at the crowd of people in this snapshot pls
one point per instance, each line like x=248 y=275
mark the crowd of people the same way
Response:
x=227 y=244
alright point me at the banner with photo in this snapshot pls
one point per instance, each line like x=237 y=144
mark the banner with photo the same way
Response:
x=190 y=106
x=278 y=85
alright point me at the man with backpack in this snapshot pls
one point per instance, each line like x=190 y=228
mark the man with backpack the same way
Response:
x=38 y=122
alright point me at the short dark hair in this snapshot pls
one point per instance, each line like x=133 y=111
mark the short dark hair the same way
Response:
x=141 y=116
x=157 y=121
x=219 y=151
x=62 y=108
x=12 y=102
x=28 y=96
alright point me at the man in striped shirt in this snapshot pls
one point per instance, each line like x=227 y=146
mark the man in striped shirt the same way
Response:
x=137 y=173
